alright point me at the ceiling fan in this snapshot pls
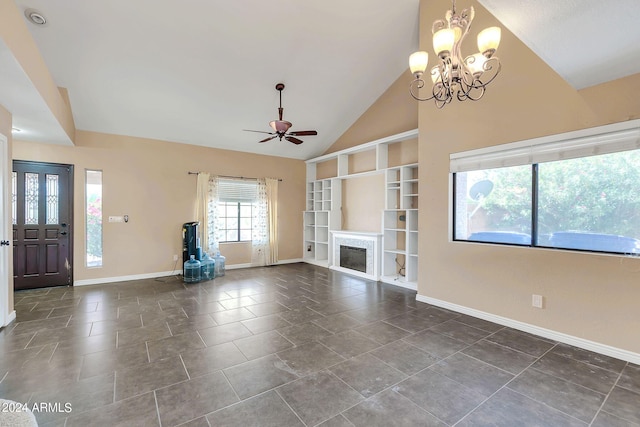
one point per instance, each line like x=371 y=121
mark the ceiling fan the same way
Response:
x=280 y=127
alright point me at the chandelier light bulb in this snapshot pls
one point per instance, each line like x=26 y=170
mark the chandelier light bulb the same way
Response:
x=488 y=41
x=475 y=63
x=418 y=62
x=443 y=41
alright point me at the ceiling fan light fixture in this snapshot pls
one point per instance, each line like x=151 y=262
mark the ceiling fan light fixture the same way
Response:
x=280 y=125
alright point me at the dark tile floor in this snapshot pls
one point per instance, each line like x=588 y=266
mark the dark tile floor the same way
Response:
x=293 y=345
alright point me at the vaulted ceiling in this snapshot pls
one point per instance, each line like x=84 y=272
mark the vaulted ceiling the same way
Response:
x=199 y=72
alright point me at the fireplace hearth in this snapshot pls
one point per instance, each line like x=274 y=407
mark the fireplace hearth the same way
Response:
x=356 y=253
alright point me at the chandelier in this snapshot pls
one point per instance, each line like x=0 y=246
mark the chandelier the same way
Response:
x=453 y=76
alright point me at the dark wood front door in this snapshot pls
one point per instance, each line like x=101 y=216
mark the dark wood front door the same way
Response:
x=42 y=232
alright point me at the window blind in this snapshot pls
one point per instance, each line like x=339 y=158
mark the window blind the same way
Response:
x=583 y=143
x=237 y=191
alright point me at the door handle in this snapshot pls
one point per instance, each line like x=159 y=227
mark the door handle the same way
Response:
x=4 y=243
x=63 y=233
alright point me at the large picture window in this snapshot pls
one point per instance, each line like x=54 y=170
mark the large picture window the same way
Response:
x=579 y=191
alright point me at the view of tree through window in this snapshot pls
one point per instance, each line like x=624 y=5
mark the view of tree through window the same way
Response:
x=588 y=203
x=93 y=212
x=599 y=194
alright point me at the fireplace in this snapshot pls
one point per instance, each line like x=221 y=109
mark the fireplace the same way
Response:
x=356 y=253
x=353 y=258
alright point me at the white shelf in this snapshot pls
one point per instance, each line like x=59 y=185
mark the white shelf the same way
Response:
x=400 y=281
x=401 y=189
x=324 y=200
x=396 y=251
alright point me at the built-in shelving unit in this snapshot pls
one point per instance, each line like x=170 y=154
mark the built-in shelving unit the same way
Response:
x=322 y=214
x=399 y=263
x=400 y=226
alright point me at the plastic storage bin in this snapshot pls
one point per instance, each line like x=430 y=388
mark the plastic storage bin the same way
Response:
x=191 y=271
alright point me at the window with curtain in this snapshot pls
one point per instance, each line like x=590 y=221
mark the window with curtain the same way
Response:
x=235 y=210
x=239 y=210
x=574 y=191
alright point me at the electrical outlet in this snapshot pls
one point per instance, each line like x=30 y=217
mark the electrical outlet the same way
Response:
x=175 y=257
x=537 y=301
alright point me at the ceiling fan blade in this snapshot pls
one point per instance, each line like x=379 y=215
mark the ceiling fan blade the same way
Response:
x=304 y=133
x=258 y=131
x=268 y=139
x=294 y=140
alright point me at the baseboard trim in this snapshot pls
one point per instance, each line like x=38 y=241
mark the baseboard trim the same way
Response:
x=11 y=317
x=250 y=265
x=323 y=263
x=607 y=350
x=238 y=266
x=290 y=261
x=354 y=273
x=103 y=280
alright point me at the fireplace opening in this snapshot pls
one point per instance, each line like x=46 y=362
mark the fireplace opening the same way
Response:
x=353 y=258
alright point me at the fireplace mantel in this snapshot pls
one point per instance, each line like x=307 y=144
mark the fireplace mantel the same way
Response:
x=359 y=239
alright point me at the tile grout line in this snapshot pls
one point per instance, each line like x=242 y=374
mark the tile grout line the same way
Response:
x=224 y=374
x=604 y=401
x=513 y=379
x=155 y=399
x=503 y=386
x=287 y=403
x=184 y=366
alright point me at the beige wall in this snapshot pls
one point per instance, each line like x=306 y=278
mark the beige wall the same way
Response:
x=403 y=153
x=392 y=113
x=148 y=180
x=594 y=297
x=5 y=170
x=328 y=169
x=363 y=197
x=362 y=203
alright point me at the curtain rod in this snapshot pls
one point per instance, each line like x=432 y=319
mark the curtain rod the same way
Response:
x=230 y=176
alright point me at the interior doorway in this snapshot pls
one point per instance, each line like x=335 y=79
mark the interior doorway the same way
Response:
x=42 y=217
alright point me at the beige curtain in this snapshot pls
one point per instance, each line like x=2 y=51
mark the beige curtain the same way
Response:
x=202 y=207
x=260 y=226
x=272 y=211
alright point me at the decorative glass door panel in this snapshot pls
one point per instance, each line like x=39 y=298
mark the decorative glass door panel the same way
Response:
x=42 y=209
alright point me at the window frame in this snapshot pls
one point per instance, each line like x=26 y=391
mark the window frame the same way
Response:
x=239 y=228
x=98 y=262
x=590 y=142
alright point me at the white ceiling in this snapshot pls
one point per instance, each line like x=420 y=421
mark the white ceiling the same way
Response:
x=587 y=42
x=198 y=72
x=32 y=118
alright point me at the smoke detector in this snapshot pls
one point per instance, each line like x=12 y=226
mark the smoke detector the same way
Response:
x=35 y=17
